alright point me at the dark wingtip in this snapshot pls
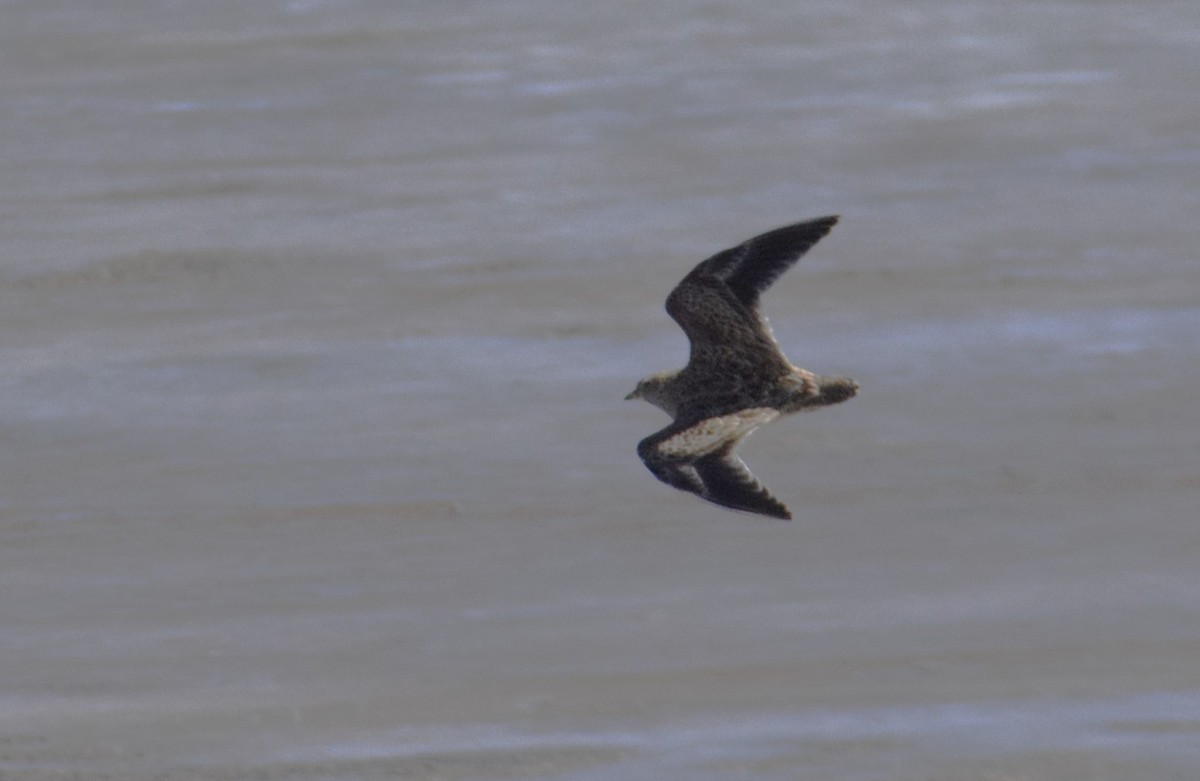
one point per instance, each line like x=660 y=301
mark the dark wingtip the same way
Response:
x=774 y=509
x=779 y=512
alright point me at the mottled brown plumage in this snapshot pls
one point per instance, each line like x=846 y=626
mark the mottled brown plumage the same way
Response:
x=737 y=378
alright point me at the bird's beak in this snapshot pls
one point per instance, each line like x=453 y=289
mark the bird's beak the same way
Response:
x=633 y=394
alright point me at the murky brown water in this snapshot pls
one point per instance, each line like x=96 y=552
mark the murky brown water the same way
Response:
x=315 y=321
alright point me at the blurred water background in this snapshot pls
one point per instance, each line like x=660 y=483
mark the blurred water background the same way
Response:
x=315 y=322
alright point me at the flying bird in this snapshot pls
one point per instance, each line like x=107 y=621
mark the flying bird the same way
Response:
x=737 y=377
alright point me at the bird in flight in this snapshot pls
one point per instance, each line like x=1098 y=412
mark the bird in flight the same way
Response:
x=737 y=378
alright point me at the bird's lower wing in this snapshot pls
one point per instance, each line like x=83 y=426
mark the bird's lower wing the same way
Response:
x=698 y=457
x=729 y=483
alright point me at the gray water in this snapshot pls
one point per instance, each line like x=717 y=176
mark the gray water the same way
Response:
x=316 y=318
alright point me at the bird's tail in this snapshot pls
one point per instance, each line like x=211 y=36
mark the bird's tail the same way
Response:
x=835 y=390
x=830 y=390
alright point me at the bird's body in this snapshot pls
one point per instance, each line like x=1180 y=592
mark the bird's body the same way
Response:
x=737 y=378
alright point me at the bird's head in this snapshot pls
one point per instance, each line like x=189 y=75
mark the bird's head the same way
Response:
x=653 y=390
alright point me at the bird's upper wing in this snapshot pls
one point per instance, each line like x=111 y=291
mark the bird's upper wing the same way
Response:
x=709 y=313
x=716 y=304
x=727 y=339
x=753 y=266
x=697 y=456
